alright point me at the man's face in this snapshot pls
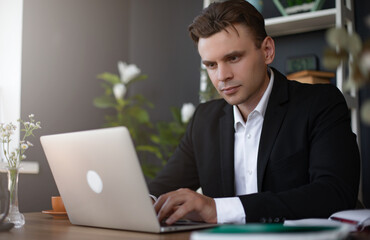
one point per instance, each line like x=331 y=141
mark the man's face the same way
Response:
x=236 y=67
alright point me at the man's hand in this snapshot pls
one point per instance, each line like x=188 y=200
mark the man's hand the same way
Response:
x=186 y=203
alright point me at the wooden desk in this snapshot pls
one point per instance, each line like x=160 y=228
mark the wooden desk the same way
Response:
x=39 y=226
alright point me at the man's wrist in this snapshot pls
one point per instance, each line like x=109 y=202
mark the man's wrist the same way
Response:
x=229 y=210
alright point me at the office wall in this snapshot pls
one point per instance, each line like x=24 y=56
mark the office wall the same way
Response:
x=161 y=47
x=65 y=45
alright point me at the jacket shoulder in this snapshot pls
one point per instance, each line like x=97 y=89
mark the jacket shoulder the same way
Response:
x=324 y=92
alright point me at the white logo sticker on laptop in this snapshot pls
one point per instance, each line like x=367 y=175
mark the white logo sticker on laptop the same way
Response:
x=94 y=181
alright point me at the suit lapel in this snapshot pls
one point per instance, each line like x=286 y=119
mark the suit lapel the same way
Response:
x=274 y=116
x=226 y=129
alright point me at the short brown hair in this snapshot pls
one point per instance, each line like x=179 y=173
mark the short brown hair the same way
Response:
x=220 y=15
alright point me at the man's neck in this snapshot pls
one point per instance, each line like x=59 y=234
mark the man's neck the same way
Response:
x=247 y=107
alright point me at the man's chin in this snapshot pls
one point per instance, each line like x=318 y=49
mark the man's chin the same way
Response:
x=231 y=100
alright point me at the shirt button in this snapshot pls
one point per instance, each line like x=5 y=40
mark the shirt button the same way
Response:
x=249 y=135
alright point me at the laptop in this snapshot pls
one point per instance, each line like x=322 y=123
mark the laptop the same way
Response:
x=99 y=178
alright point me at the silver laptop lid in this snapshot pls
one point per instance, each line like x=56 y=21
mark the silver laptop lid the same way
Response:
x=98 y=175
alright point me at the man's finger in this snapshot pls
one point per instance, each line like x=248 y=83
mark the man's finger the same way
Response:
x=180 y=203
x=179 y=213
x=169 y=206
x=161 y=200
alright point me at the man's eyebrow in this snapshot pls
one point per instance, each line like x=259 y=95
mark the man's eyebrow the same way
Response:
x=205 y=62
x=233 y=54
x=226 y=57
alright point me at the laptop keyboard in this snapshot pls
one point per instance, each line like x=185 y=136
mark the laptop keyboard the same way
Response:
x=181 y=222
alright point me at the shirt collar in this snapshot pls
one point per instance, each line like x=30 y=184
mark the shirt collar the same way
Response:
x=261 y=106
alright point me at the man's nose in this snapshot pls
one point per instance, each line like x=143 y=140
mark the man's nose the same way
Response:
x=224 y=72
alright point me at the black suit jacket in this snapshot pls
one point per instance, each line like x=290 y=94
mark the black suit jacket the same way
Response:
x=308 y=159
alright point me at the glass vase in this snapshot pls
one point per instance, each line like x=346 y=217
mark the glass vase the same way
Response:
x=14 y=216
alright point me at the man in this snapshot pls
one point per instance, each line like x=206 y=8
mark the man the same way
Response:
x=271 y=149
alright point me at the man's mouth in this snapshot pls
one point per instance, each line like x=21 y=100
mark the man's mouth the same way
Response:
x=230 y=90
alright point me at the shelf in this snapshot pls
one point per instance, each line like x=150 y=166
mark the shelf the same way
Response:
x=312 y=77
x=301 y=22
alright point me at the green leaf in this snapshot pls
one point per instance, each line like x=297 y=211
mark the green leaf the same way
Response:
x=122 y=103
x=151 y=149
x=166 y=134
x=177 y=129
x=109 y=77
x=140 y=114
x=141 y=100
x=155 y=139
x=107 y=89
x=104 y=102
x=176 y=114
x=150 y=170
x=138 y=78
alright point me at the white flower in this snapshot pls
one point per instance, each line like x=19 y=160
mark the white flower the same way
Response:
x=187 y=112
x=24 y=146
x=127 y=72
x=31 y=115
x=6 y=130
x=119 y=90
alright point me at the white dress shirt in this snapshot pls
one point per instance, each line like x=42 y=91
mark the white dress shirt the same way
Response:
x=247 y=138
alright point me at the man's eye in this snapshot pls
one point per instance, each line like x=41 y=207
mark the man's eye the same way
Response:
x=211 y=65
x=234 y=58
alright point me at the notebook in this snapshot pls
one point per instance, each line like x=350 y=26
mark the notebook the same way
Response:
x=99 y=178
x=272 y=231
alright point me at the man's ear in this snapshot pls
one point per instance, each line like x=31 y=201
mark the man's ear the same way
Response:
x=268 y=47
